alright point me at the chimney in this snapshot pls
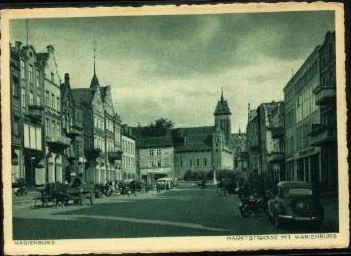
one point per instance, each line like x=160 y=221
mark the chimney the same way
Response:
x=66 y=78
x=18 y=45
x=50 y=48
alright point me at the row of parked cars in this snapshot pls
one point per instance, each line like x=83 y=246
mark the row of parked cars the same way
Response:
x=290 y=202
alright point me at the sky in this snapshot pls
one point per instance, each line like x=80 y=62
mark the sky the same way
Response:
x=176 y=66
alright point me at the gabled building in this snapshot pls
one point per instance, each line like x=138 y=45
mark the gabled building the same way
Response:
x=265 y=143
x=27 y=85
x=73 y=160
x=252 y=146
x=55 y=142
x=102 y=141
x=238 y=146
x=266 y=137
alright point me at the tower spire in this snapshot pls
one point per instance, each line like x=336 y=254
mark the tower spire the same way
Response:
x=27 y=33
x=94 y=81
x=94 y=56
x=222 y=98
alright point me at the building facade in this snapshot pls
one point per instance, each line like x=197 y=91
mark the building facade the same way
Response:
x=252 y=146
x=55 y=142
x=102 y=135
x=276 y=157
x=205 y=148
x=72 y=127
x=26 y=78
x=193 y=150
x=129 y=170
x=240 y=156
x=323 y=134
x=301 y=112
x=156 y=158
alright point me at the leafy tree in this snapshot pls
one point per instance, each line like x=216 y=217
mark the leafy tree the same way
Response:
x=159 y=127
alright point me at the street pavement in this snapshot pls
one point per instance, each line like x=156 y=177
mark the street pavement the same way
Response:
x=179 y=212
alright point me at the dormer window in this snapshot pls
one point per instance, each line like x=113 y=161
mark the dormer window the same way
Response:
x=22 y=70
x=30 y=74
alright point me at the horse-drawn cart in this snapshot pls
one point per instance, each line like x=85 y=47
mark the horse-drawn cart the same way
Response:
x=79 y=194
x=60 y=194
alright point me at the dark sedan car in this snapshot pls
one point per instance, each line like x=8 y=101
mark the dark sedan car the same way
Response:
x=295 y=201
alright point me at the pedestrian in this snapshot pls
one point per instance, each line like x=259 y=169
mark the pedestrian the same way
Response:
x=158 y=187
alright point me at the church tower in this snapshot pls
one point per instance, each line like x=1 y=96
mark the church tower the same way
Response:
x=222 y=116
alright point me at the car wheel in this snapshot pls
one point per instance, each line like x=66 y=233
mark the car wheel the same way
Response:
x=270 y=217
x=244 y=211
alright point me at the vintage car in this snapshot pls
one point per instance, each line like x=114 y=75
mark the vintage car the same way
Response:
x=295 y=201
x=165 y=183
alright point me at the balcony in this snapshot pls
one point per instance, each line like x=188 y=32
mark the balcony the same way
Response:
x=58 y=144
x=115 y=155
x=34 y=113
x=325 y=95
x=277 y=132
x=92 y=154
x=74 y=131
x=322 y=134
x=276 y=157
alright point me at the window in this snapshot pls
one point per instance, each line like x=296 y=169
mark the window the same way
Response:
x=198 y=162
x=15 y=127
x=22 y=70
x=53 y=126
x=58 y=130
x=159 y=152
x=30 y=74
x=151 y=152
x=15 y=88
x=205 y=161
x=52 y=77
x=191 y=163
x=37 y=78
x=47 y=99
x=23 y=92
x=159 y=163
x=31 y=99
x=47 y=127
x=38 y=101
x=26 y=135
x=58 y=103
x=52 y=100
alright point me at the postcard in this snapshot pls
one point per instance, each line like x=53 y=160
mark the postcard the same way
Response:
x=174 y=128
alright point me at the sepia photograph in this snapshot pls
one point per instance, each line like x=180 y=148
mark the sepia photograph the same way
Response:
x=175 y=127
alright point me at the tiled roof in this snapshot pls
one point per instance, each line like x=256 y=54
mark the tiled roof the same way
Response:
x=193 y=138
x=155 y=142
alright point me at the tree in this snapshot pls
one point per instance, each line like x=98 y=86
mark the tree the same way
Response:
x=159 y=127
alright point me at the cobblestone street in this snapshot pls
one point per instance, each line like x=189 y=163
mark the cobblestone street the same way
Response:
x=180 y=212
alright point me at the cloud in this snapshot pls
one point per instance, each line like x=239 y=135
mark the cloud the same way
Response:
x=175 y=66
